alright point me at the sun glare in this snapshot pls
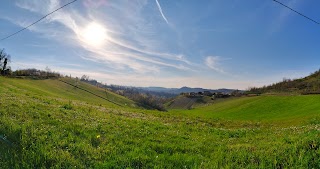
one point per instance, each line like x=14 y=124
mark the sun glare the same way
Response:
x=94 y=34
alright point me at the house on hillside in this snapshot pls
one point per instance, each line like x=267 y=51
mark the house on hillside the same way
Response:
x=221 y=95
x=236 y=93
x=192 y=94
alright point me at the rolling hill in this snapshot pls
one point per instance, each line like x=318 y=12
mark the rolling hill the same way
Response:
x=305 y=85
x=59 y=89
x=177 y=91
x=183 y=102
x=50 y=124
x=280 y=109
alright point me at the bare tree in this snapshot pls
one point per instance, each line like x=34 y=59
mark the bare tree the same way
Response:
x=48 y=70
x=2 y=56
x=84 y=78
x=4 y=60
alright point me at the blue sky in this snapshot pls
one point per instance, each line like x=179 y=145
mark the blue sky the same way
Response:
x=196 y=43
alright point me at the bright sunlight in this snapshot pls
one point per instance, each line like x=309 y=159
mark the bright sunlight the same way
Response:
x=94 y=34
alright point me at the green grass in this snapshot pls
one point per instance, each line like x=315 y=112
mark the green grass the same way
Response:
x=276 y=109
x=183 y=102
x=46 y=124
x=58 y=89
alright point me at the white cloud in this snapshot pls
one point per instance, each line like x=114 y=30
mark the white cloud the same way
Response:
x=160 y=9
x=126 y=46
x=213 y=62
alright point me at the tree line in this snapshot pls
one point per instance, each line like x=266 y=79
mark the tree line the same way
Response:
x=36 y=74
x=5 y=69
x=306 y=85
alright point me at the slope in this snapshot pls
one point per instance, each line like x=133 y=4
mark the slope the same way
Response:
x=280 y=109
x=306 y=85
x=183 y=102
x=56 y=88
x=40 y=128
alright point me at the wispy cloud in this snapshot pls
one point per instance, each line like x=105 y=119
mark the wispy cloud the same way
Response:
x=213 y=62
x=160 y=9
x=148 y=80
x=132 y=47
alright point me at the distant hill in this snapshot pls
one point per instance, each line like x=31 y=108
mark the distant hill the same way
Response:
x=156 y=91
x=177 y=91
x=306 y=85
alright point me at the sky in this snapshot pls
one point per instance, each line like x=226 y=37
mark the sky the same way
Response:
x=168 y=43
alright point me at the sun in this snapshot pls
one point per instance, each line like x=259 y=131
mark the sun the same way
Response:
x=94 y=34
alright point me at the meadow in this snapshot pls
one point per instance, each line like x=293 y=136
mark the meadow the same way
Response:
x=49 y=124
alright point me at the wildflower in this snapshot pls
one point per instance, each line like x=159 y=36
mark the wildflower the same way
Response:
x=98 y=136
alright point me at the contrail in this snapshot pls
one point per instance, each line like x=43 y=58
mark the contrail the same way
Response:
x=164 y=17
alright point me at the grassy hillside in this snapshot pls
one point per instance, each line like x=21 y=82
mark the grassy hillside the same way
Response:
x=277 y=109
x=183 y=102
x=58 y=89
x=47 y=124
x=306 y=85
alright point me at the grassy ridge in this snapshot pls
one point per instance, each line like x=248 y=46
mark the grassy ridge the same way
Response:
x=56 y=88
x=44 y=132
x=280 y=109
x=306 y=85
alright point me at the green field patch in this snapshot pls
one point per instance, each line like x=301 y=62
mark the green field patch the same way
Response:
x=93 y=133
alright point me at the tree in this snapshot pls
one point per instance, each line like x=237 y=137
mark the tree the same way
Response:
x=2 y=56
x=4 y=60
x=48 y=71
x=84 y=78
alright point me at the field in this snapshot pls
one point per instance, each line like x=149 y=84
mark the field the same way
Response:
x=49 y=124
x=277 y=110
x=183 y=102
